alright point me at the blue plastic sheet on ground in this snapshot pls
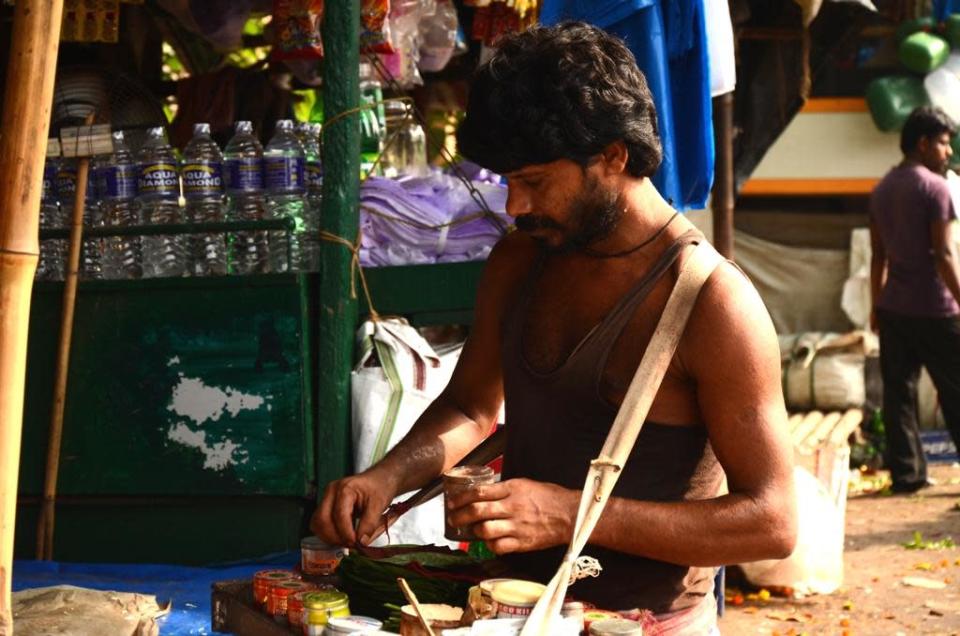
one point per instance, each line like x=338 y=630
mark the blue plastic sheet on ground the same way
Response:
x=943 y=8
x=188 y=588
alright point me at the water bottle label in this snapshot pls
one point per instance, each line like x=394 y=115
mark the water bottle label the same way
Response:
x=244 y=175
x=202 y=179
x=117 y=182
x=283 y=173
x=314 y=175
x=49 y=182
x=67 y=184
x=159 y=180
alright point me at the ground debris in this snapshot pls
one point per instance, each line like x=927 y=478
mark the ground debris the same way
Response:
x=923 y=582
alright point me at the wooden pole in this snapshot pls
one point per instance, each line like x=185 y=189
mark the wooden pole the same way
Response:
x=45 y=524
x=723 y=187
x=340 y=217
x=24 y=124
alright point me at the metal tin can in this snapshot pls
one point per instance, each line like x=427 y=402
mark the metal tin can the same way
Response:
x=319 y=559
x=515 y=598
x=280 y=593
x=616 y=627
x=457 y=480
x=295 y=608
x=320 y=607
x=262 y=581
x=352 y=625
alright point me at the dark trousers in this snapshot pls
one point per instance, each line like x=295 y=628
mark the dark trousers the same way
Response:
x=906 y=344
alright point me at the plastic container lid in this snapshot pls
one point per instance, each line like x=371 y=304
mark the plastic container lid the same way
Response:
x=616 y=627
x=353 y=624
x=517 y=592
x=325 y=600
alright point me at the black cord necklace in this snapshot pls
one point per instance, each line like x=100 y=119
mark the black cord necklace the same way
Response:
x=631 y=250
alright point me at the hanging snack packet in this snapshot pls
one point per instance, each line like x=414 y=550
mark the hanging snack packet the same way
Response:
x=297 y=27
x=374 y=27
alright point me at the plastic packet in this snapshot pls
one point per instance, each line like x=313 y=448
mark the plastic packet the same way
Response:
x=374 y=27
x=297 y=28
x=438 y=37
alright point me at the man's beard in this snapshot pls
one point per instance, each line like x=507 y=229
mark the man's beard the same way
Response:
x=594 y=214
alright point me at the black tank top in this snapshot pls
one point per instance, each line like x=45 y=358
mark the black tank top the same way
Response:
x=557 y=423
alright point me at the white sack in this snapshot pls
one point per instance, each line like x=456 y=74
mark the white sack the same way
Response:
x=816 y=565
x=396 y=377
x=800 y=286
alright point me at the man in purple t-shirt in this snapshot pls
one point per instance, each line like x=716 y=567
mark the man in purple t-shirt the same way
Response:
x=916 y=286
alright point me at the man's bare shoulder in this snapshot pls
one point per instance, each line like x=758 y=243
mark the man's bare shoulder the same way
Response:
x=730 y=323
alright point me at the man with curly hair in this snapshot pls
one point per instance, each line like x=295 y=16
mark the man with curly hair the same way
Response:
x=565 y=310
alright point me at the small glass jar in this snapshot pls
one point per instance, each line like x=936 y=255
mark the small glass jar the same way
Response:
x=460 y=479
x=320 y=607
x=319 y=559
x=264 y=579
x=405 y=149
x=279 y=595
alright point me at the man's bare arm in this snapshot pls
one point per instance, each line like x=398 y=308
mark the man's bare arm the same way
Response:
x=945 y=255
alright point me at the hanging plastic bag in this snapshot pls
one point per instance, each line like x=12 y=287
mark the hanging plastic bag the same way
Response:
x=438 y=37
x=297 y=27
x=374 y=27
x=943 y=87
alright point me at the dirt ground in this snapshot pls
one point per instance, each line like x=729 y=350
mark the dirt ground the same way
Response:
x=874 y=598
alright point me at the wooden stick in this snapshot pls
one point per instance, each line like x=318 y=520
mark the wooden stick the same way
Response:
x=46 y=522
x=416 y=605
x=25 y=125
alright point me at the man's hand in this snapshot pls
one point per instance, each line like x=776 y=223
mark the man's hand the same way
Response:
x=517 y=515
x=366 y=496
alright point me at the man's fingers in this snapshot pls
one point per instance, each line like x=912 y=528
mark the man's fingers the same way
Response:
x=369 y=522
x=504 y=545
x=486 y=492
x=495 y=529
x=479 y=511
x=343 y=515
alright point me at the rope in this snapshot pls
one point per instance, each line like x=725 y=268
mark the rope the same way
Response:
x=583 y=567
x=355 y=270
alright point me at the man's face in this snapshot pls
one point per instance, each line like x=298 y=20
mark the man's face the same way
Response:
x=935 y=152
x=562 y=205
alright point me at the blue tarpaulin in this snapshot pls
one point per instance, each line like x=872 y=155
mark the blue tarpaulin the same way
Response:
x=943 y=8
x=668 y=38
x=188 y=588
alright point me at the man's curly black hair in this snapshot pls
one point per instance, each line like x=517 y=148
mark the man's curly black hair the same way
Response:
x=561 y=92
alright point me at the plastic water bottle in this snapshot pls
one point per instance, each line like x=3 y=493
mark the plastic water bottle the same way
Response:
x=243 y=158
x=117 y=185
x=91 y=249
x=284 y=177
x=202 y=172
x=309 y=134
x=52 y=251
x=158 y=192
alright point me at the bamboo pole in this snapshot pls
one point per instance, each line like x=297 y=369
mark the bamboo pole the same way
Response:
x=45 y=524
x=25 y=124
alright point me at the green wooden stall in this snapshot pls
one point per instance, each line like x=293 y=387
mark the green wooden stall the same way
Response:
x=203 y=416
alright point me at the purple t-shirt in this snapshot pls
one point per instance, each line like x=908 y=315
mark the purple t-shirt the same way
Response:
x=903 y=206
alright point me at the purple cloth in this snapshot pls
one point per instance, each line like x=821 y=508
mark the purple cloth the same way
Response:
x=400 y=220
x=902 y=207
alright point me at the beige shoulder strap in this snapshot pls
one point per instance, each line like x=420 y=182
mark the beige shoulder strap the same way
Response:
x=605 y=469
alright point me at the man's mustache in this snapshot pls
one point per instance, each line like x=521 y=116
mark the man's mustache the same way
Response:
x=530 y=222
